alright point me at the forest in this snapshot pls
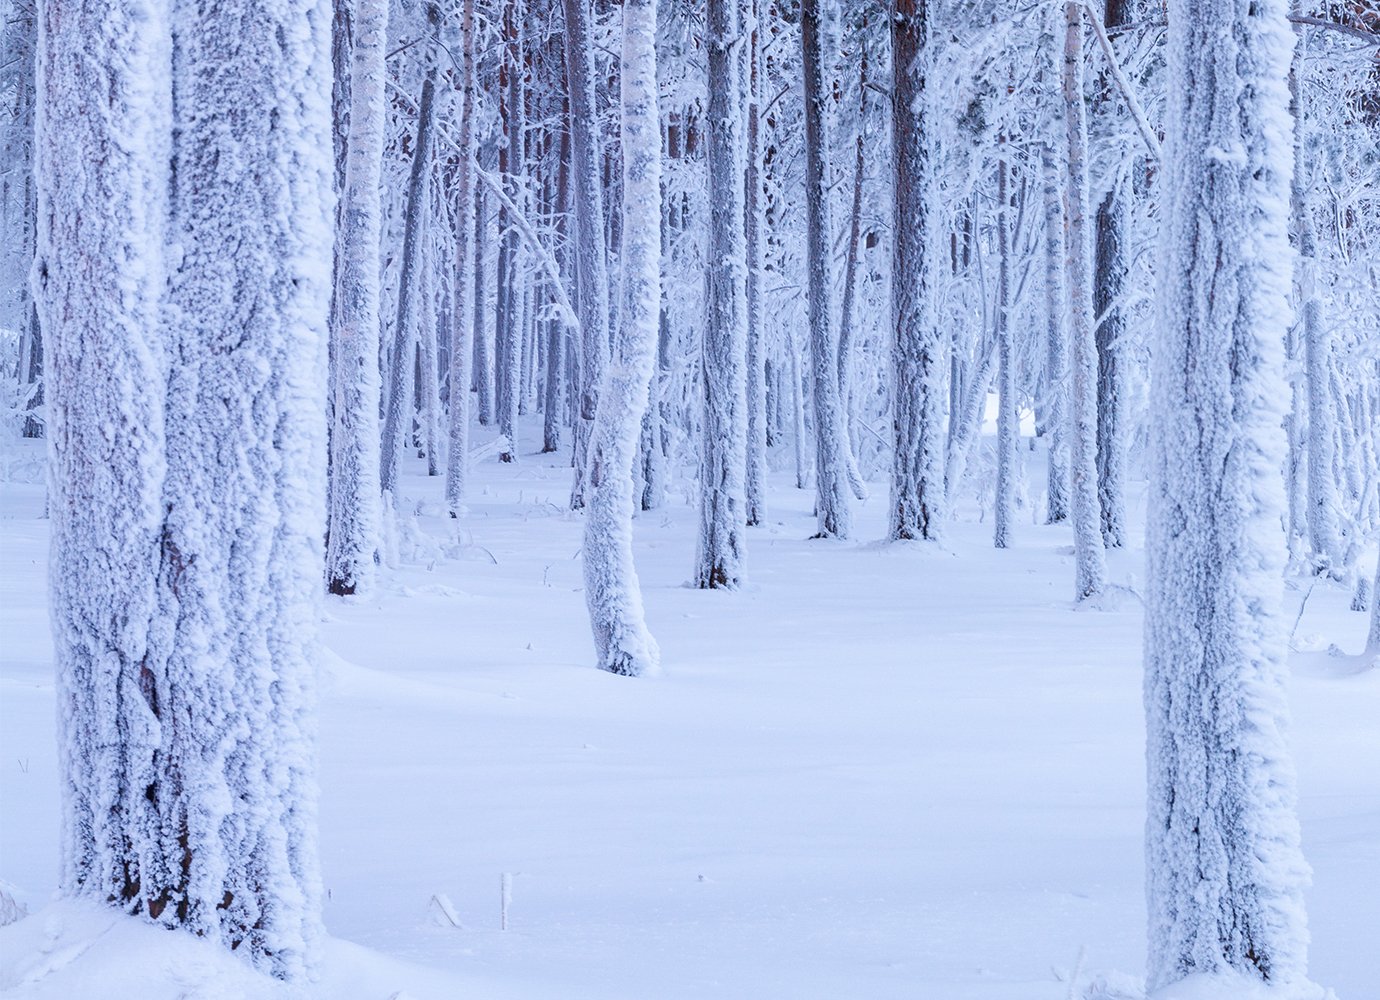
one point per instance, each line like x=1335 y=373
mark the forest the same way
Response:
x=690 y=499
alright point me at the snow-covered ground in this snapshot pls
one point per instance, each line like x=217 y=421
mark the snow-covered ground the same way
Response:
x=881 y=771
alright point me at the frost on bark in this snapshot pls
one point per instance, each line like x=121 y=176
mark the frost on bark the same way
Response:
x=1090 y=569
x=189 y=474
x=1004 y=514
x=1110 y=254
x=353 y=536
x=612 y=592
x=1225 y=871
x=462 y=313
x=723 y=445
x=831 y=501
x=589 y=251
x=918 y=359
x=755 y=245
x=1056 y=343
x=103 y=127
x=398 y=407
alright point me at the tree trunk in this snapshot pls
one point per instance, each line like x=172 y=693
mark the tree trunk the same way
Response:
x=723 y=444
x=1224 y=868
x=831 y=501
x=354 y=512
x=464 y=311
x=1089 y=556
x=612 y=592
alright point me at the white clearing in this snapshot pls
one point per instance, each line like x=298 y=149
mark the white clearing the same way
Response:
x=880 y=771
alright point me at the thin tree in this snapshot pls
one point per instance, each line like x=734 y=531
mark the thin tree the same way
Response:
x=462 y=310
x=1090 y=567
x=1224 y=867
x=755 y=483
x=831 y=501
x=723 y=444
x=612 y=592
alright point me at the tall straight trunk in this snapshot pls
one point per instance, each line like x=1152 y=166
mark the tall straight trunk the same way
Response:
x=831 y=500
x=1224 y=867
x=612 y=592
x=483 y=343
x=553 y=406
x=101 y=157
x=397 y=418
x=755 y=481
x=1090 y=573
x=1320 y=495
x=847 y=317
x=508 y=332
x=1004 y=513
x=463 y=311
x=428 y=382
x=354 y=517
x=723 y=376
x=589 y=250
x=919 y=360
x=1109 y=273
x=1056 y=339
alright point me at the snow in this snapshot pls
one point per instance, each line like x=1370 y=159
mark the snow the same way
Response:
x=879 y=771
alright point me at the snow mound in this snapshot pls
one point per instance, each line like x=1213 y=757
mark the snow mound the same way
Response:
x=1233 y=986
x=76 y=949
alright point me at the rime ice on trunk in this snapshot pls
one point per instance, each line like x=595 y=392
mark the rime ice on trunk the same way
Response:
x=1225 y=871
x=1004 y=513
x=919 y=358
x=102 y=148
x=831 y=500
x=621 y=640
x=589 y=251
x=755 y=224
x=354 y=497
x=187 y=547
x=1090 y=570
x=723 y=446
x=398 y=409
x=1056 y=342
x=462 y=309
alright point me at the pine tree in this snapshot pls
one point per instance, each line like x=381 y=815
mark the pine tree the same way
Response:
x=1224 y=865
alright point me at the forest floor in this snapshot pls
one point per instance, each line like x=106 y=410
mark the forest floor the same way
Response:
x=879 y=771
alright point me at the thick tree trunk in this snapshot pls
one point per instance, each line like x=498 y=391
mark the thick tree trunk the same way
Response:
x=919 y=360
x=1004 y=513
x=754 y=221
x=1224 y=868
x=464 y=310
x=1056 y=341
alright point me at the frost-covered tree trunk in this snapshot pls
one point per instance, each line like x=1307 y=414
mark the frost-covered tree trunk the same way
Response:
x=354 y=525
x=103 y=143
x=831 y=500
x=1109 y=273
x=1004 y=513
x=612 y=592
x=428 y=366
x=1225 y=872
x=723 y=446
x=1090 y=571
x=462 y=308
x=1373 y=640
x=755 y=223
x=918 y=358
x=241 y=545
x=398 y=410
x=589 y=250
x=187 y=548
x=1056 y=342
x=508 y=329
x=483 y=367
